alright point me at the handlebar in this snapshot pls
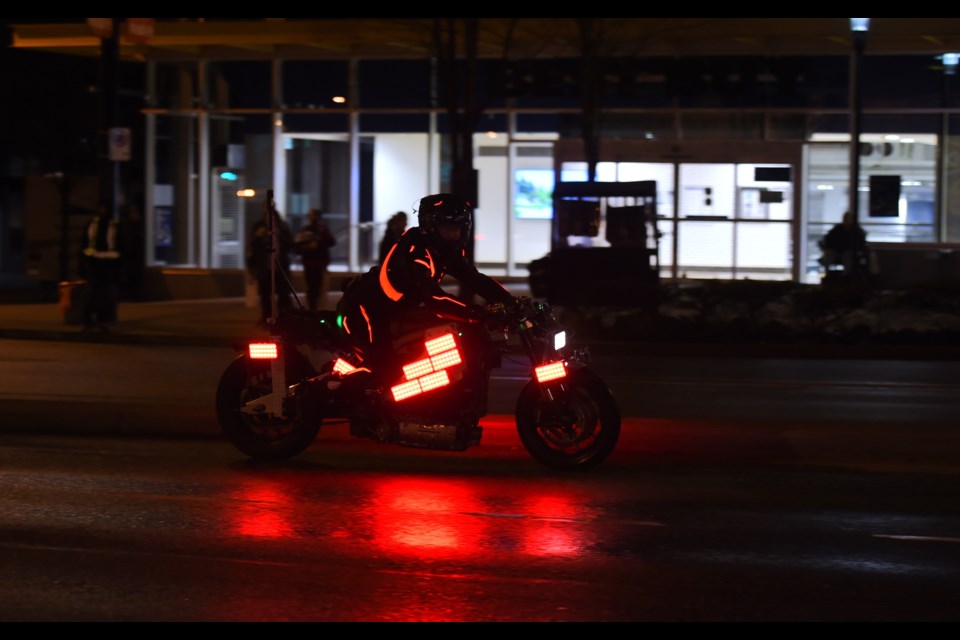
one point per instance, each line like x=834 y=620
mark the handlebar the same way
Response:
x=502 y=318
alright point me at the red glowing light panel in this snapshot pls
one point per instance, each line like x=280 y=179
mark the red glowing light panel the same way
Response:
x=441 y=344
x=343 y=367
x=552 y=371
x=430 y=373
x=417 y=369
x=446 y=360
x=434 y=381
x=406 y=390
x=263 y=351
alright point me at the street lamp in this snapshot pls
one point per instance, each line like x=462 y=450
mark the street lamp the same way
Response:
x=859 y=28
x=950 y=61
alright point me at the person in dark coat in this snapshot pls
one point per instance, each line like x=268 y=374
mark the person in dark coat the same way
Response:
x=845 y=248
x=258 y=259
x=407 y=284
x=313 y=242
x=396 y=225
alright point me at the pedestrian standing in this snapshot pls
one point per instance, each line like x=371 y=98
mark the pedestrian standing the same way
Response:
x=100 y=267
x=396 y=225
x=313 y=242
x=259 y=256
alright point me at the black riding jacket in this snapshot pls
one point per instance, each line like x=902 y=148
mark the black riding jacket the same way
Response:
x=409 y=278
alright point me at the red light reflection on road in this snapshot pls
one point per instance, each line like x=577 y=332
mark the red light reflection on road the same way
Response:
x=261 y=512
x=433 y=518
x=548 y=530
x=425 y=517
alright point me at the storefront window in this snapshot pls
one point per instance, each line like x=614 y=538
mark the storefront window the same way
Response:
x=912 y=159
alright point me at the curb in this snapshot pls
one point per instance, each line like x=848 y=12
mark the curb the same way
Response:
x=118 y=337
x=607 y=348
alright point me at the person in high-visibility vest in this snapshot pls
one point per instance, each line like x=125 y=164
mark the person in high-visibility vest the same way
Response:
x=100 y=266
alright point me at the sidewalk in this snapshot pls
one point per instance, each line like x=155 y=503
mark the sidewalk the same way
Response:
x=210 y=323
x=227 y=322
x=215 y=322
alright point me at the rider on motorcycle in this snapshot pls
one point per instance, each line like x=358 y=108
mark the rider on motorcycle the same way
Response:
x=409 y=279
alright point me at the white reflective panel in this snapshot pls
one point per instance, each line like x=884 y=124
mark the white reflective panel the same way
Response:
x=764 y=199
x=707 y=190
x=763 y=245
x=659 y=172
x=705 y=244
x=573 y=172
x=666 y=243
x=606 y=172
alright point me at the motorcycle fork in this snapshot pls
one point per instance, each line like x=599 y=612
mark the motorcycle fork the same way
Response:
x=278 y=377
x=272 y=403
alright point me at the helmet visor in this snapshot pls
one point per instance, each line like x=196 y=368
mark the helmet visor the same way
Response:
x=450 y=231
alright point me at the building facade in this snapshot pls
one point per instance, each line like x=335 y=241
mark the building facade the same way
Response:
x=751 y=151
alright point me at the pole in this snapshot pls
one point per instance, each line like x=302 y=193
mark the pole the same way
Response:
x=856 y=107
x=110 y=169
x=277 y=365
x=274 y=231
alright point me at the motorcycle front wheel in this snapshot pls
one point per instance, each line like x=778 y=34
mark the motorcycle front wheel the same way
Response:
x=262 y=437
x=575 y=430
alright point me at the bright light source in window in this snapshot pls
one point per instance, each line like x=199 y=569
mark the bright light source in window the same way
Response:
x=339 y=99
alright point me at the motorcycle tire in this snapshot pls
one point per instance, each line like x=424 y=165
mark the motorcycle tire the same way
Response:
x=576 y=430
x=261 y=437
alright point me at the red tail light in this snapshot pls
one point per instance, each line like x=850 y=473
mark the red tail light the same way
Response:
x=552 y=371
x=429 y=373
x=343 y=367
x=263 y=351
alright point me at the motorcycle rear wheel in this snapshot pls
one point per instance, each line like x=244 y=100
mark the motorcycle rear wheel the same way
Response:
x=260 y=437
x=575 y=431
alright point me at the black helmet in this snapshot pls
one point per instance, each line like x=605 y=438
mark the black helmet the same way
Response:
x=446 y=209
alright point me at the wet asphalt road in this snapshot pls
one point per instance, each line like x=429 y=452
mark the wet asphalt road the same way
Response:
x=742 y=490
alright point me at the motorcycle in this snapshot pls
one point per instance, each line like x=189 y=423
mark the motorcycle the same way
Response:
x=431 y=392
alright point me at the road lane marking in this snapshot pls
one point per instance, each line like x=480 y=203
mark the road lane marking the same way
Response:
x=919 y=538
x=523 y=516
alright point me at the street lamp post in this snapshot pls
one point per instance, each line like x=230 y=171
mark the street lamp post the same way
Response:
x=859 y=28
x=950 y=62
x=109 y=58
